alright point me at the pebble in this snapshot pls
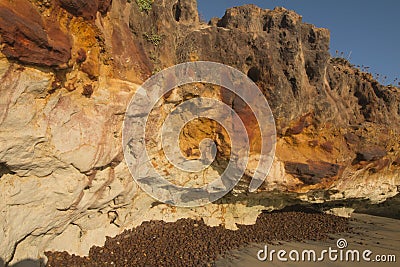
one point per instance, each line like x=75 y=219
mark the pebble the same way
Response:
x=188 y=242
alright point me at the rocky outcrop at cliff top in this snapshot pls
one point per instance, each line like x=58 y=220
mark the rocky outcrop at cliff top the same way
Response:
x=69 y=68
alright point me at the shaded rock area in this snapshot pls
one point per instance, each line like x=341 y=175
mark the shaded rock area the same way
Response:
x=85 y=9
x=192 y=243
x=68 y=69
x=312 y=172
x=81 y=8
x=371 y=153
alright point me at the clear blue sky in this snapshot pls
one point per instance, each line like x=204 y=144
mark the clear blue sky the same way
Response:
x=367 y=29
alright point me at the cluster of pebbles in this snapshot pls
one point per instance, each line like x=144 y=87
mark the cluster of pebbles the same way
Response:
x=188 y=242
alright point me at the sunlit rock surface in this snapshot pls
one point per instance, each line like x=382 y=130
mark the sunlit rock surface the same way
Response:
x=69 y=72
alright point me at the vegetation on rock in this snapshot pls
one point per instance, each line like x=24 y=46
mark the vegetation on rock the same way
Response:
x=144 y=5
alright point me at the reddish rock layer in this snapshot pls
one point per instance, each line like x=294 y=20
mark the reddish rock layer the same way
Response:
x=30 y=38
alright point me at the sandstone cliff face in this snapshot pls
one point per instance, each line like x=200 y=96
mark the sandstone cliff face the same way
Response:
x=68 y=70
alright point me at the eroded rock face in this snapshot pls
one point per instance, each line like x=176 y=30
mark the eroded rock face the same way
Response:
x=31 y=38
x=64 y=184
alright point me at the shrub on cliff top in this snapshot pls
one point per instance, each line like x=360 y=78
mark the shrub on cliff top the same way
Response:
x=144 y=5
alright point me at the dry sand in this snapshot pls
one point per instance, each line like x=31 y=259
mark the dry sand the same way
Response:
x=378 y=234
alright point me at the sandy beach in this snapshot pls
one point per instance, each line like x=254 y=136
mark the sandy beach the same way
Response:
x=377 y=234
